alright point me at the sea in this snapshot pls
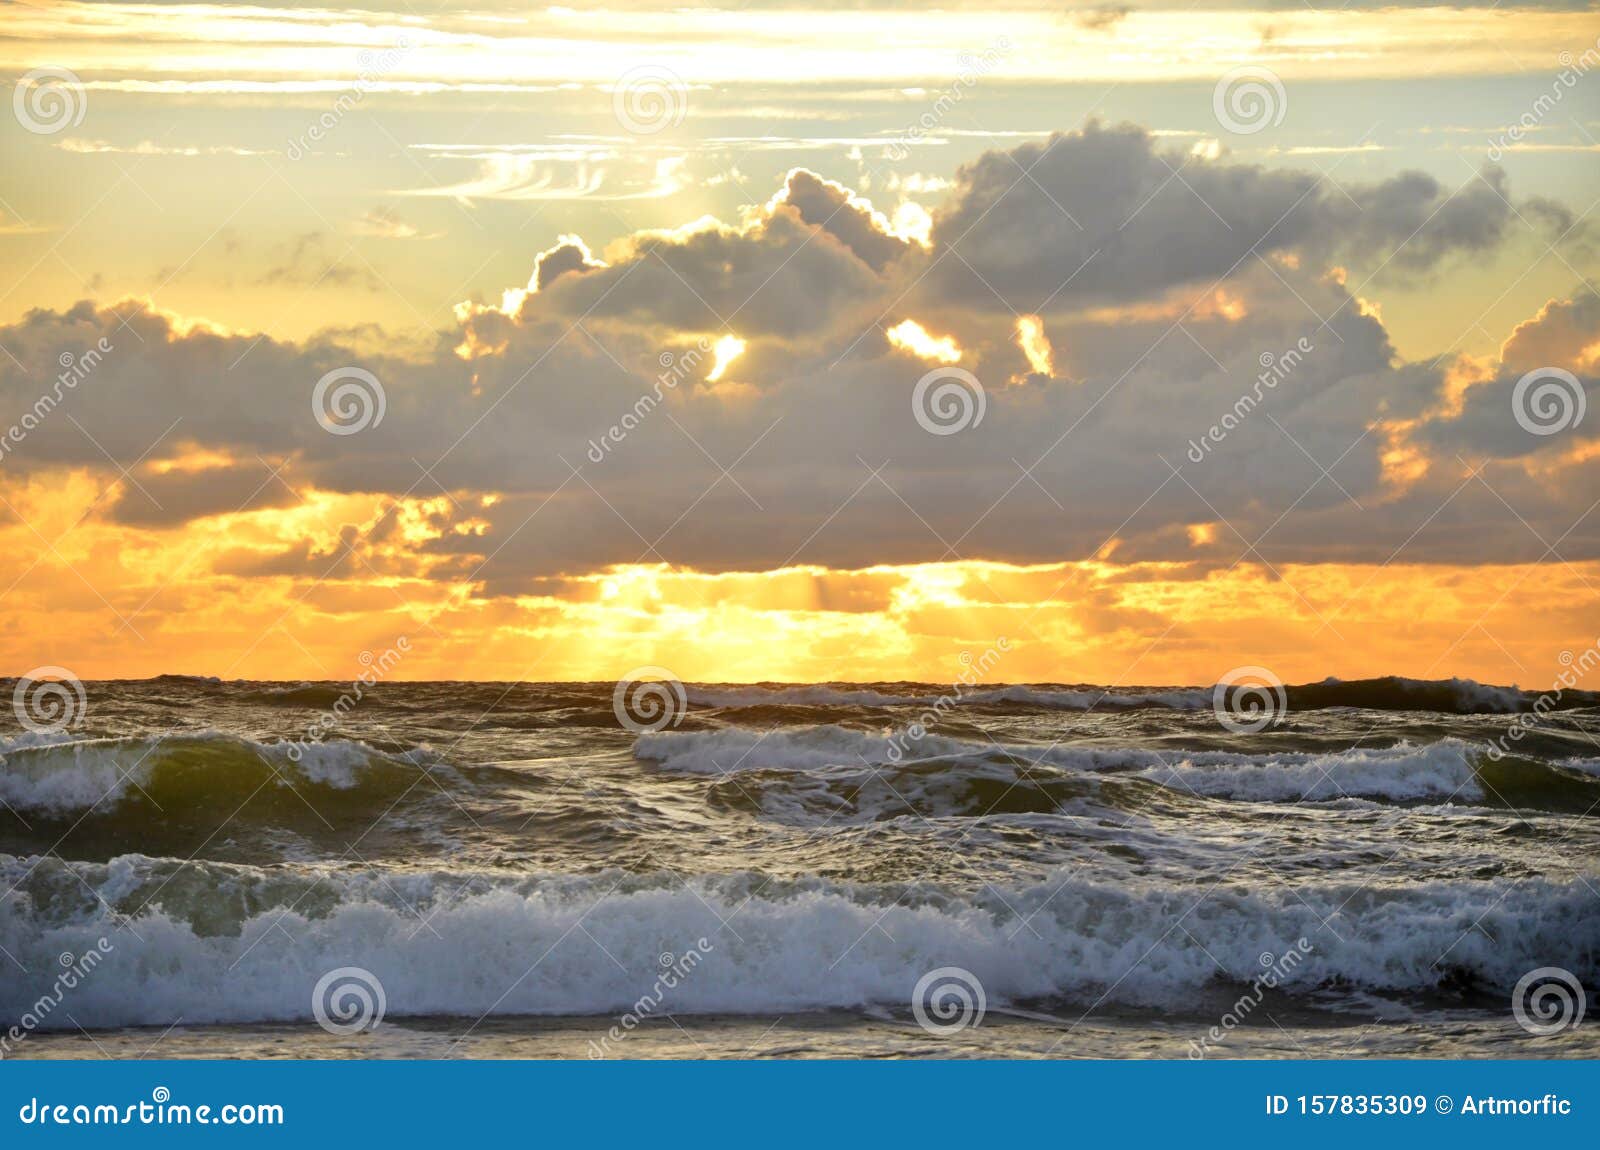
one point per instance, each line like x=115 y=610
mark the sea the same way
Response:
x=193 y=868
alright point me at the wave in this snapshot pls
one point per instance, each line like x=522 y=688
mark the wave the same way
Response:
x=1396 y=693
x=733 y=749
x=1450 y=770
x=54 y=775
x=1065 y=698
x=1388 y=693
x=480 y=944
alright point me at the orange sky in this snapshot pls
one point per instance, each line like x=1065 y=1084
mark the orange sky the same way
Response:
x=107 y=601
x=1084 y=239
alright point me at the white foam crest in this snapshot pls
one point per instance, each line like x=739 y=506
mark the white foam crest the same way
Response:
x=1475 y=695
x=1442 y=770
x=59 y=775
x=752 y=696
x=735 y=749
x=1404 y=772
x=1184 y=699
x=514 y=948
x=63 y=776
x=1062 y=698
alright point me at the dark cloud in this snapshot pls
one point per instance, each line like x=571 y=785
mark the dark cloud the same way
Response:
x=1564 y=333
x=831 y=207
x=164 y=500
x=1161 y=348
x=570 y=255
x=1105 y=214
x=783 y=277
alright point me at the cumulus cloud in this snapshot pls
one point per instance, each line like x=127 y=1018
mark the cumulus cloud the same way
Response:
x=571 y=254
x=1565 y=333
x=1106 y=214
x=1214 y=392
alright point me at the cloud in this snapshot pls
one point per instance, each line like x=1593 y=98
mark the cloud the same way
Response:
x=387 y=224
x=570 y=254
x=1206 y=366
x=1106 y=215
x=167 y=498
x=310 y=261
x=849 y=219
x=1565 y=333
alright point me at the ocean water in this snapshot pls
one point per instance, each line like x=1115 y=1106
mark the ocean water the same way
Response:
x=838 y=870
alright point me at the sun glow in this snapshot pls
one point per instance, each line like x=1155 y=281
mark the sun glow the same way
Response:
x=1035 y=345
x=726 y=350
x=909 y=335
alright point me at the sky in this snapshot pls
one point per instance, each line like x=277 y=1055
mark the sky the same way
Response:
x=784 y=341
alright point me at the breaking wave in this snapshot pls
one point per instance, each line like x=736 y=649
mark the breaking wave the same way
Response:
x=1449 y=770
x=239 y=944
x=55 y=776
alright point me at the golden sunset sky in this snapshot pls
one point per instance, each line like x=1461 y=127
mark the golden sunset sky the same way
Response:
x=799 y=342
